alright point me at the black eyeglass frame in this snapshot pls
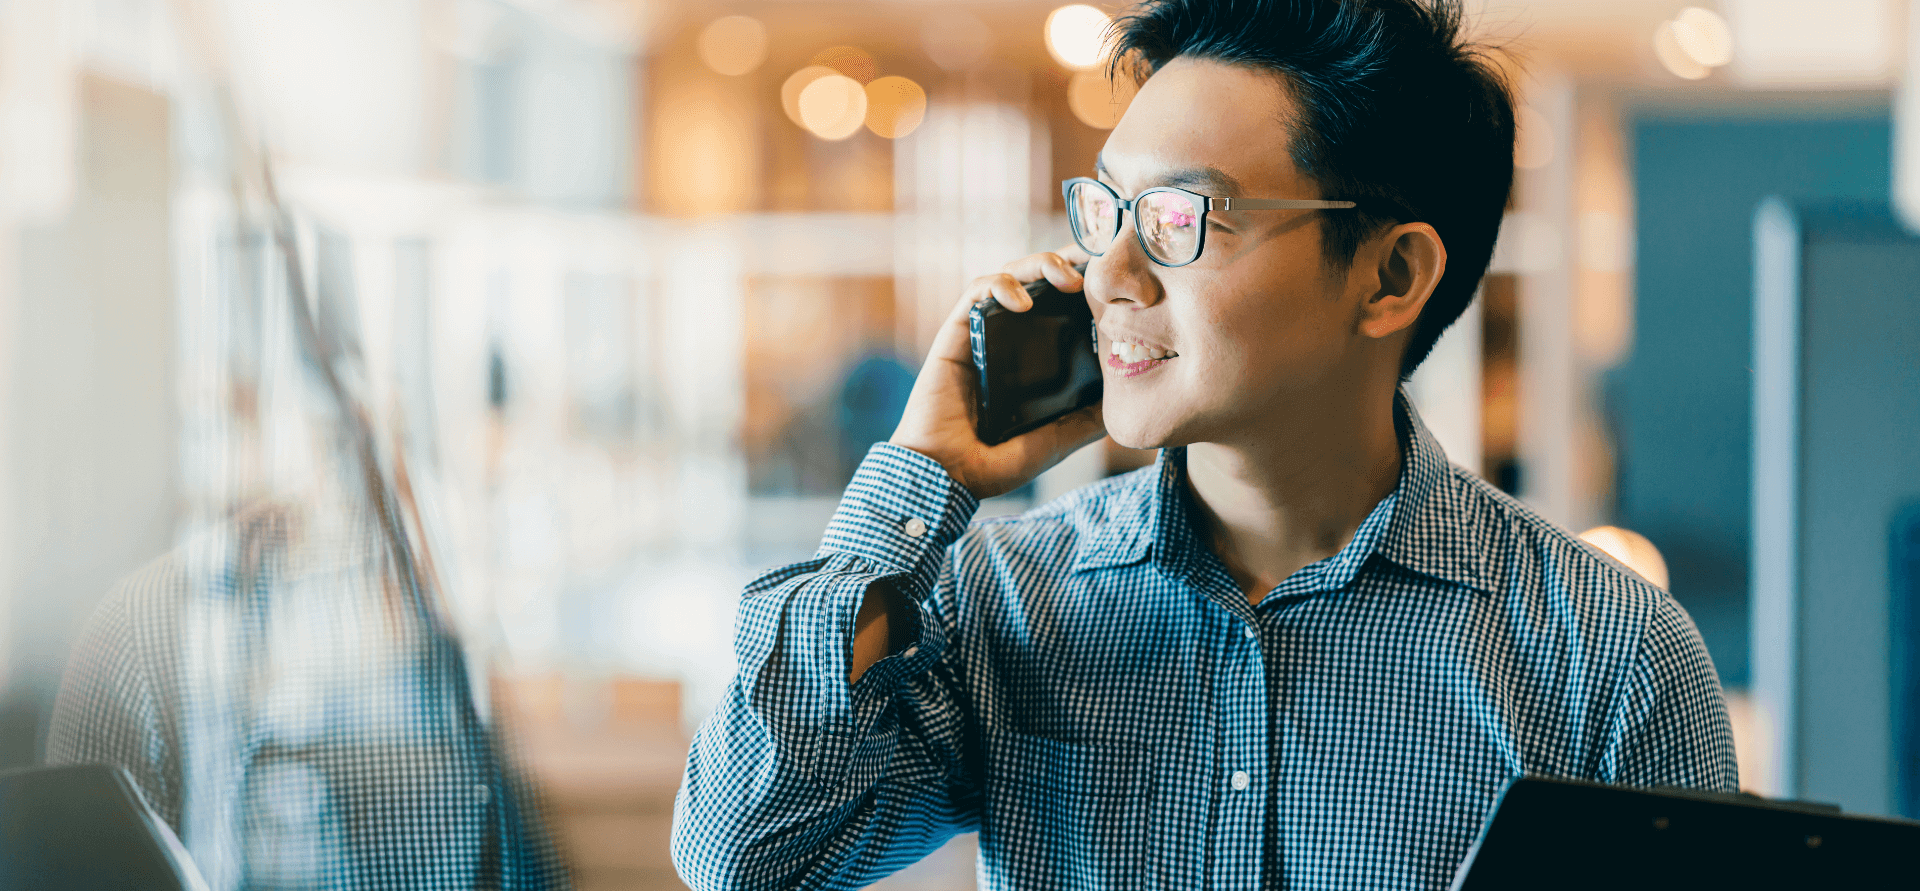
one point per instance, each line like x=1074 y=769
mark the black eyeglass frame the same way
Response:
x=1204 y=202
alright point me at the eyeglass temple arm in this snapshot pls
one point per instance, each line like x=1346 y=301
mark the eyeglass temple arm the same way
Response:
x=1275 y=204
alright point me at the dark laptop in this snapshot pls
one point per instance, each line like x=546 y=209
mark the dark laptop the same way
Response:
x=1548 y=833
x=85 y=827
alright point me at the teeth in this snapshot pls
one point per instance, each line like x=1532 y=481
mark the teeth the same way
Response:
x=1130 y=353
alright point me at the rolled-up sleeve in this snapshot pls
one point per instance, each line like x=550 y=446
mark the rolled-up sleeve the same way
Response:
x=800 y=779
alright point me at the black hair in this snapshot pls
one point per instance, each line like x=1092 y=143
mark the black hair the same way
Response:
x=1396 y=112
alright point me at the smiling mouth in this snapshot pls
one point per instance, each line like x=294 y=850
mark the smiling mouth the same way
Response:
x=1129 y=352
x=1132 y=359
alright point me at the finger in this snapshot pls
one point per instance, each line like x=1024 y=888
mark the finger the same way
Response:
x=1010 y=291
x=1055 y=268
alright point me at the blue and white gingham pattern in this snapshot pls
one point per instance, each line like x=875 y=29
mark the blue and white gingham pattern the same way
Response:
x=1091 y=692
x=293 y=728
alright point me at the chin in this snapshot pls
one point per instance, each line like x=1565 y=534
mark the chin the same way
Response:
x=1138 y=427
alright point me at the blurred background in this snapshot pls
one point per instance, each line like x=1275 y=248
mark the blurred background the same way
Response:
x=647 y=278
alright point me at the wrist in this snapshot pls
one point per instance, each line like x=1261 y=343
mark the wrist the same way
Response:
x=900 y=511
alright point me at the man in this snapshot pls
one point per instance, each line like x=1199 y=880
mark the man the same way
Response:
x=1301 y=650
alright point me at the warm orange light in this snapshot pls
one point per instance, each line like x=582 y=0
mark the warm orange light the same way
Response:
x=1631 y=548
x=1098 y=102
x=833 y=107
x=1704 y=35
x=1076 y=35
x=1666 y=47
x=851 y=61
x=895 y=106
x=790 y=91
x=734 y=45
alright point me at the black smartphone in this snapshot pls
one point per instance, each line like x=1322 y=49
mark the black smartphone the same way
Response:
x=1034 y=366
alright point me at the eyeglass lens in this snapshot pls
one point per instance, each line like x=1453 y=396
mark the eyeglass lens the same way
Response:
x=1169 y=222
x=1170 y=225
x=1095 y=217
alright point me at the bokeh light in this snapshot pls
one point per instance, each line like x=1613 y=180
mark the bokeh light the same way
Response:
x=895 y=106
x=1631 y=548
x=1096 y=101
x=851 y=61
x=1666 y=47
x=734 y=45
x=956 y=39
x=833 y=107
x=796 y=82
x=1704 y=36
x=1076 y=35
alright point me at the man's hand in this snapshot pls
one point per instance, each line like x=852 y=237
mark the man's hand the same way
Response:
x=939 y=421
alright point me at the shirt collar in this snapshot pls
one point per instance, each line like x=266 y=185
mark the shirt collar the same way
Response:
x=1437 y=531
x=1421 y=525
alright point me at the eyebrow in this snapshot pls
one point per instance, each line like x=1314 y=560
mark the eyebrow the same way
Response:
x=1210 y=181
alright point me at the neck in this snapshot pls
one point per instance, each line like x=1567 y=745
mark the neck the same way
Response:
x=1296 y=492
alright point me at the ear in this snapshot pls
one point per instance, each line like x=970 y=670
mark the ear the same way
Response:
x=1411 y=260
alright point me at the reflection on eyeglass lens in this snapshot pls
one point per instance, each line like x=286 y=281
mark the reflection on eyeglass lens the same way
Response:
x=1168 y=221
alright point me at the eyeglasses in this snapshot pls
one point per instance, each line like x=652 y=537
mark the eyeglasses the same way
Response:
x=1170 y=223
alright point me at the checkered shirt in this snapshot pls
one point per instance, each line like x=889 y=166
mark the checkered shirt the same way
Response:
x=1091 y=691
x=299 y=724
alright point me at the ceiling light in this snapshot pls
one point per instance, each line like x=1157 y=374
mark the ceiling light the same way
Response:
x=797 y=81
x=833 y=107
x=895 y=106
x=1703 y=35
x=1666 y=47
x=1076 y=35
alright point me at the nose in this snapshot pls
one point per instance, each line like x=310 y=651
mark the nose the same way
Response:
x=1124 y=274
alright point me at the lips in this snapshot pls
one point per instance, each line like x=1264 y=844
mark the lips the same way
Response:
x=1131 y=356
x=1129 y=369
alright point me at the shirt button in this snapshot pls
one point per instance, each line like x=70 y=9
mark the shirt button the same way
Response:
x=914 y=527
x=911 y=652
x=1241 y=781
x=482 y=792
x=1249 y=632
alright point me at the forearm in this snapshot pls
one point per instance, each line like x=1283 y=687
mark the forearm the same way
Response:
x=885 y=616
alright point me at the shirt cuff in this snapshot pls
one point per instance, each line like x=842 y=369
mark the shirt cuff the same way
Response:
x=901 y=512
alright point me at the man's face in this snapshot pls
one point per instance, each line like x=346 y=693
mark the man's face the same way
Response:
x=1259 y=323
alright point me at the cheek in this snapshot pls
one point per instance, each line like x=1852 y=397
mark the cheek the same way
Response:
x=1260 y=343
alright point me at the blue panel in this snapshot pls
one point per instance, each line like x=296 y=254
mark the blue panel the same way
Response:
x=1681 y=401
x=1859 y=464
x=1905 y=577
